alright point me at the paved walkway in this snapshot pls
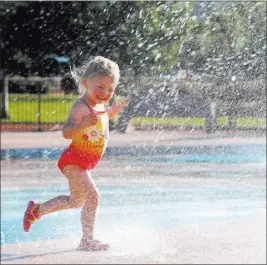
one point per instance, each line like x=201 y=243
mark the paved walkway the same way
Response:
x=239 y=243
x=10 y=140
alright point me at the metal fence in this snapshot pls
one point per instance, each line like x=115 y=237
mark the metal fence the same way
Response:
x=48 y=111
x=36 y=112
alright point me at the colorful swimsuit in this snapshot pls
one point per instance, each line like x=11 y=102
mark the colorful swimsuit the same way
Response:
x=88 y=146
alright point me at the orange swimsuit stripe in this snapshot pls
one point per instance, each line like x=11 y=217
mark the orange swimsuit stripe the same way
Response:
x=87 y=147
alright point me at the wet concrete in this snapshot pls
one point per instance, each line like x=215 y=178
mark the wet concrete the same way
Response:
x=239 y=240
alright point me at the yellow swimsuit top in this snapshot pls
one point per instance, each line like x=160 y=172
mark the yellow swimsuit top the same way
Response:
x=92 y=141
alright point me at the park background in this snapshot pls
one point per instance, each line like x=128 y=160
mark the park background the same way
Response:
x=183 y=178
x=184 y=65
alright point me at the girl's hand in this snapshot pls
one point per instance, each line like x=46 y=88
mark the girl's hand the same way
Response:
x=91 y=119
x=117 y=107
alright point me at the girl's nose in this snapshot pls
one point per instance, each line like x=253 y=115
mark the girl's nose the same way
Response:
x=103 y=91
x=103 y=94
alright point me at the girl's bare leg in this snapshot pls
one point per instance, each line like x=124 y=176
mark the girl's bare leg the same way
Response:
x=84 y=194
x=77 y=197
x=89 y=210
x=88 y=216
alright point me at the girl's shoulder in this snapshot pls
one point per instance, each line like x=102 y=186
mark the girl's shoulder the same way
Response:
x=79 y=107
x=79 y=103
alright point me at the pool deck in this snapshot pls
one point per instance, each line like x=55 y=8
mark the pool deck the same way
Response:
x=218 y=242
x=14 y=140
x=222 y=243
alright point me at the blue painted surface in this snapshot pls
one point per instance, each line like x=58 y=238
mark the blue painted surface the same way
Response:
x=218 y=153
x=151 y=206
x=128 y=205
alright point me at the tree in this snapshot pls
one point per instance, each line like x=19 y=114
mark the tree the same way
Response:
x=227 y=30
x=31 y=31
x=153 y=35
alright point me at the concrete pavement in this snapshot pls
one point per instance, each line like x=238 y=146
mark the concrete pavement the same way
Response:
x=242 y=241
x=13 y=140
x=239 y=243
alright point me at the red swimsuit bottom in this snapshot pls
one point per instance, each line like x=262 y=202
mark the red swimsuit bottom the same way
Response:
x=70 y=157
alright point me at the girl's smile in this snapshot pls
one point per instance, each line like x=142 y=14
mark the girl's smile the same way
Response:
x=101 y=89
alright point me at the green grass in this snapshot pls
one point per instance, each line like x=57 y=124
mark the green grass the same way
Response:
x=168 y=121
x=242 y=122
x=44 y=97
x=55 y=108
x=28 y=111
x=24 y=108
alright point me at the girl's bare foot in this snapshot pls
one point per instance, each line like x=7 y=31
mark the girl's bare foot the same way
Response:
x=92 y=245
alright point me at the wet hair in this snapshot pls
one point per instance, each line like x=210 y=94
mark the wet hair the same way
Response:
x=98 y=66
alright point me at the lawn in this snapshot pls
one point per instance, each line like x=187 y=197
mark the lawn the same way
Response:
x=24 y=108
x=241 y=122
x=54 y=109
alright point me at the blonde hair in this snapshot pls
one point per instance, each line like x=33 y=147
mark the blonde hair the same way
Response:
x=101 y=66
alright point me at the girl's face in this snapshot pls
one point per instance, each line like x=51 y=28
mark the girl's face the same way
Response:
x=100 y=88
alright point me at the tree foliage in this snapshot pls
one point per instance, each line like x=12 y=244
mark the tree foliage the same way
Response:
x=33 y=30
x=154 y=33
x=146 y=36
x=230 y=30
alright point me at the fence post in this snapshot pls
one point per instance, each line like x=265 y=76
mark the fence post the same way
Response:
x=124 y=123
x=39 y=113
x=211 y=121
x=4 y=99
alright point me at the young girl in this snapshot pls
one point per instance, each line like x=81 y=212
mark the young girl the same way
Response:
x=87 y=126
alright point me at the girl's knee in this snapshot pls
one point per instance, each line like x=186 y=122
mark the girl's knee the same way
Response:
x=92 y=195
x=77 y=202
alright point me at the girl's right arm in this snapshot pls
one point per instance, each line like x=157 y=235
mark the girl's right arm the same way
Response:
x=78 y=120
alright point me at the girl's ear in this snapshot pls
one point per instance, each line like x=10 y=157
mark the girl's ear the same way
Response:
x=85 y=82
